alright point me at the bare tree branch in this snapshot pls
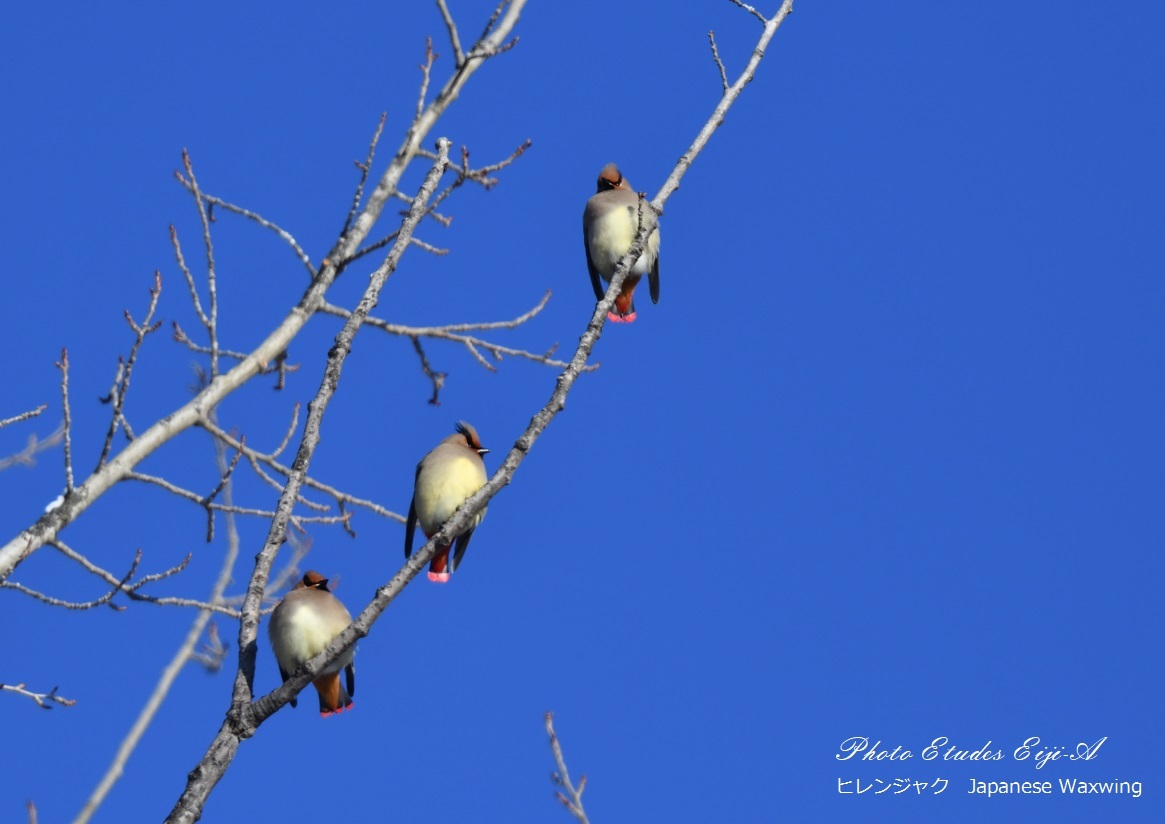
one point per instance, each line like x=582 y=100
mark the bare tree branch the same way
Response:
x=45 y=700
x=63 y=365
x=125 y=368
x=185 y=653
x=719 y=62
x=364 y=168
x=78 y=500
x=23 y=416
x=27 y=456
x=211 y=200
x=218 y=758
x=454 y=39
x=572 y=798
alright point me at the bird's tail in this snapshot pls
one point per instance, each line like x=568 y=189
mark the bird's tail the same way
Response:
x=333 y=697
x=625 y=303
x=439 y=567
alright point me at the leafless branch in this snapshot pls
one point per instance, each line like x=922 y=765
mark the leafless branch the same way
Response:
x=211 y=321
x=27 y=456
x=44 y=700
x=256 y=457
x=297 y=521
x=221 y=753
x=24 y=416
x=364 y=169
x=189 y=277
x=436 y=378
x=426 y=67
x=719 y=62
x=125 y=367
x=464 y=173
x=756 y=13
x=471 y=343
x=63 y=365
x=58 y=602
x=572 y=798
x=185 y=653
x=286 y=236
x=454 y=39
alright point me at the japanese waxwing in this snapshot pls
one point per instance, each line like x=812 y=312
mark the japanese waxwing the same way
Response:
x=446 y=476
x=302 y=624
x=610 y=222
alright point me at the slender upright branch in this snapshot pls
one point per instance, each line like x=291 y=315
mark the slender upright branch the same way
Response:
x=63 y=365
x=211 y=275
x=364 y=168
x=125 y=368
x=572 y=798
x=454 y=39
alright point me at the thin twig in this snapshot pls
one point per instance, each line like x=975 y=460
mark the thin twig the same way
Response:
x=211 y=277
x=256 y=456
x=297 y=520
x=572 y=800
x=719 y=62
x=118 y=586
x=247 y=213
x=125 y=367
x=186 y=273
x=364 y=168
x=454 y=39
x=426 y=68
x=63 y=365
x=131 y=590
x=756 y=13
x=24 y=416
x=472 y=344
x=437 y=378
x=45 y=700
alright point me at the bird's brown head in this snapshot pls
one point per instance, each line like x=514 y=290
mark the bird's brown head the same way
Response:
x=471 y=438
x=611 y=178
x=312 y=580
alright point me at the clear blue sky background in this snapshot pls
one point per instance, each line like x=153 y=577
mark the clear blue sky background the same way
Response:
x=884 y=461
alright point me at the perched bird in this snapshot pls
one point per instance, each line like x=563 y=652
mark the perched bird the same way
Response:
x=446 y=476
x=610 y=222
x=302 y=624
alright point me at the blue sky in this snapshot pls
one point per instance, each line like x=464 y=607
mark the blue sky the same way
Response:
x=884 y=461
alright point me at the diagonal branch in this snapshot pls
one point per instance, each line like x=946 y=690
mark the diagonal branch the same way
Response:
x=44 y=700
x=23 y=416
x=206 y=774
x=254 y=715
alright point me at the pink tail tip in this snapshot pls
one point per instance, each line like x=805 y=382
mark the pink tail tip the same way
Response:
x=337 y=710
x=611 y=316
x=439 y=577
